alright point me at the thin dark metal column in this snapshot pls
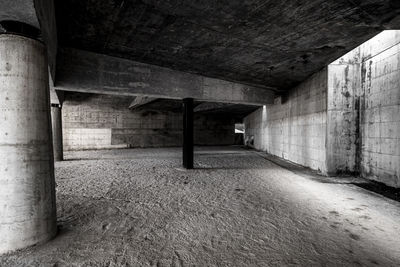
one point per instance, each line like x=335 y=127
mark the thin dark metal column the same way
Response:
x=188 y=133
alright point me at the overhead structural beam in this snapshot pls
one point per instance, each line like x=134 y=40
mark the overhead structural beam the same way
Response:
x=140 y=101
x=210 y=106
x=187 y=133
x=89 y=72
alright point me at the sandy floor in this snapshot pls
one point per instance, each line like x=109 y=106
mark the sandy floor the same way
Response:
x=138 y=207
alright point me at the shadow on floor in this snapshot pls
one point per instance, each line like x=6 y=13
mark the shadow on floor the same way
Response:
x=382 y=189
x=376 y=187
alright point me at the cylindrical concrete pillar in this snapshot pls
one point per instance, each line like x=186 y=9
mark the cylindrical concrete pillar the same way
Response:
x=56 y=124
x=27 y=191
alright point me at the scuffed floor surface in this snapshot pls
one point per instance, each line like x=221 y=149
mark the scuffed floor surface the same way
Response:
x=138 y=207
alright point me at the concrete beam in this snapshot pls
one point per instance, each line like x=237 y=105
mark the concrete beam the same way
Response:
x=39 y=14
x=210 y=106
x=141 y=101
x=89 y=72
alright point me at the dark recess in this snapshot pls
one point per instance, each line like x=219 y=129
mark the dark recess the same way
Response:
x=19 y=28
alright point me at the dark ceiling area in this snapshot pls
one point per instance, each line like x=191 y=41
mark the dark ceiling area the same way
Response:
x=259 y=42
x=236 y=111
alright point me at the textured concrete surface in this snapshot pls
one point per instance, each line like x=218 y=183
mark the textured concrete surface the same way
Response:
x=263 y=42
x=103 y=121
x=27 y=201
x=138 y=207
x=361 y=116
x=82 y=71
x=294 y=128
x=364 y=108
x=237 y=111
x=56 y=125
x=45 y=11
x=343 y=120
x=19 y=10
x=141 y=101
x=39 y=14
x=380 y=114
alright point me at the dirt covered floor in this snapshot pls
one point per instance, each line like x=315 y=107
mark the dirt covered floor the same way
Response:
x=138 y=207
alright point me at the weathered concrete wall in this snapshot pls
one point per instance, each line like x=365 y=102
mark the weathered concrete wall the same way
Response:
x=380 y=111
x=344 y=82
x=364 y=110
x=103 y=121
x=294 y=128
x=360 y=93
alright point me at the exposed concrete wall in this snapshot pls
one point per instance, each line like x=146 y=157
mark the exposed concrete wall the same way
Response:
x=344 y=82
x=362 y=96
x=364 y=110
x=380 y=112
x=294 y=128
x=104 y=121
x=27 y=192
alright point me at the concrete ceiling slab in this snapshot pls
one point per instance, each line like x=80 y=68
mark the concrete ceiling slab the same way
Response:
x=258 y=42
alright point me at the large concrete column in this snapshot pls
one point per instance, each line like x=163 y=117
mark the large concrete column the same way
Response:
x=27 y=191
x=56 y=124
x=188 y=133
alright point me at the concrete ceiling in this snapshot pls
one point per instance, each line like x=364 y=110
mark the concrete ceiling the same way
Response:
x=273 y=43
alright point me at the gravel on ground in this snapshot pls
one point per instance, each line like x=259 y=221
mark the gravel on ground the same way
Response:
x=139 y=207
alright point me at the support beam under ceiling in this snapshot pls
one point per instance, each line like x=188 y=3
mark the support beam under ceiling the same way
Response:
x=89 y=72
